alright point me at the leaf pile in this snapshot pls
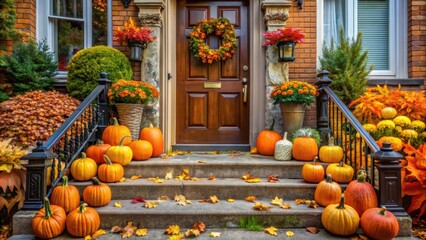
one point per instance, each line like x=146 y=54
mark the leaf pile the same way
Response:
x=34 y=116
x=10 y=156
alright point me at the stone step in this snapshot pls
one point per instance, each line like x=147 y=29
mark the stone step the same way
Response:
x=223 y=188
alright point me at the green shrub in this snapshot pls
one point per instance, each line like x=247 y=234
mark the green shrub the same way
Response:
x=8 y=20
x=3 y=96
x=86 y=65
x=30 y=67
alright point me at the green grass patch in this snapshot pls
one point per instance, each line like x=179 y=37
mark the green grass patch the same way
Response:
x=251 y=223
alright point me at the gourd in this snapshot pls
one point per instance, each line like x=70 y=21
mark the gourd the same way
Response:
x=266 y=141
x=340 y=172
x=110 y=172
x=378 y=223
x=155 y=137
x=340 y=219
x=82 y=221
x=98 y=194
x=388 y=113
x=313 y=173
x=283 y=149
x=66 y=196
x=113 y=134
x=331 y=153
x=97 y=151
x=48 y=222
x=360 y=194
x=120 y=154
x=327 y=192
x=142 y=150
x=305 y=146
x=83 y=168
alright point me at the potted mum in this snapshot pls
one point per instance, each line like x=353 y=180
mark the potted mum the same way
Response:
x=293 y=97
x=136 y=38
x=129 y=97
x=285 y=40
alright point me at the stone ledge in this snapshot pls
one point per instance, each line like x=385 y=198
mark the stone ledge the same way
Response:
x=395 y=82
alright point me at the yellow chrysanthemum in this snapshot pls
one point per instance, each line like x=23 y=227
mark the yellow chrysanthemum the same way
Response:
x=370 y=127
x=418 y=125
x=423 y=135
x=395 y=142
x=388 y=113
x=386 y=124
x=402 y=121
x=409 y=133
x=398 y=129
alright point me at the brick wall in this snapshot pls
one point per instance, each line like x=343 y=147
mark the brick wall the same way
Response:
x=417 y=39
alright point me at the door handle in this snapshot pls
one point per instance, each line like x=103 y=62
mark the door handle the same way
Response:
x=245 y=94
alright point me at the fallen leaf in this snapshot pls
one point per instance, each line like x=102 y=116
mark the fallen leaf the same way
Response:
x=201 y=161
x=273 y=178
x=136 y=200
x=313 y=204
x=128 y=230
x=247 y=176
x=172 y=230
x=192 y=233
x=285 y=206
x=298 y=201
x=271 y=230
x=176 y=237
x=212 y=178
x=253 y=150
x=215 y=234
x=163 y=198
x=313 y=230
x=362 y=237
x=251 y=199
x=169 y=175
x=277 y=201
x=200 y=226
x=235 y=154
x=118 y=204
x=134 y=177
x=289 y=233
x=141 y=232
x=179 y=198
x=116 y=229
x=156 y=180
x=98 y=233
x=123 y=179
x=88 y=237
x=213 y=199
x=259 y=206
x=184 y=175
x=194 y=179
x=253 y=180
x=230 y=200
x=150 y=205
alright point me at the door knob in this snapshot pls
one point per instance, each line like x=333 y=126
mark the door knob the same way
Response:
x=245 y=68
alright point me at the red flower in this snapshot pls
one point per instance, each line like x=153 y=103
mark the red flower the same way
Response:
x=133 y=34
x=283 y=35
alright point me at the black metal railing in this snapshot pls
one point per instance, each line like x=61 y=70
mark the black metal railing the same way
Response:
x=361 y=151
x=48 y=162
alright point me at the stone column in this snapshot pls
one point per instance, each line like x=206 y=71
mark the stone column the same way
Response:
x=150 y=15
x=275 y=15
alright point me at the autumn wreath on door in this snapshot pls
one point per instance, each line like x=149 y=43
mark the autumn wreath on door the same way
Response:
x=223 y=29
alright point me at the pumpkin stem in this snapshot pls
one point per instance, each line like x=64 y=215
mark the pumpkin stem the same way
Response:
x=107 y=160
x=341 y=163
x=115 y=122
x=122 y=140
x=47 y=210
x=82 y=208
x=331 y=141
x=271 y=128
x=150 y=125
x=99 y=142
x=382 y=211
x=83 y=155
x=361 y=176
x=96 y=181
x=342 y=202
x=315 y=160
x=328 y=178
x=64 y=181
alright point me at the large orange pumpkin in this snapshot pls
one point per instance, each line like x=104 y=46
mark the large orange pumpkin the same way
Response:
x=313 y=173
x=114 y=133
x=327 y=192
x=66 y=196
x=83 y=168
x=360 y=194
x=305 y=147
x=155 y=137
x=340 y=219
x=97 y=151
x=266 y=141
x=378 y=223
x=110 y=172
x=98 y=194
x=82 y=221
x=120 y=154
x=48 y=222
x=142 y=150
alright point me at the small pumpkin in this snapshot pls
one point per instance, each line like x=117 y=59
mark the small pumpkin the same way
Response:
x=313 y=173
x=97 y=151
x=110 y=172
x=155 y=137
x=266 y=141
x=327 y=192
x=98 y=194
x=341 y=172
x=82 y=221
x=340 y=219
x=48 y=222
x=378 y=223
x=331 y=153
x=305 y=145
x=114 y=133
x=388 y=113
x=120 y=154
x=142 y=150
x=66 y=196
x=360 y=194
x=83 y=168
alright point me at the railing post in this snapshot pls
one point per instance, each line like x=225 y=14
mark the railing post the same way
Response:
x=389 y=192
x=37 y=165
x=103 y=105
x=322 y=106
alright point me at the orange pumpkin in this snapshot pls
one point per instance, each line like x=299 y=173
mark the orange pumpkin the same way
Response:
x=114 y=133
x=142 y=150
x=327 y=192
x=110 y=172
x=83 y=168
x=313 y=173
x=378 y=223
x=98 y=194
x=120 y=154
x=97 y=151
x=66 y=196
x=305 y=147
x=48 y=222
x=340 y=219
x=155 y=137
x=331 y=153
x=266 y=141
x=360 y=194
x=82 y=221
x=341 y=172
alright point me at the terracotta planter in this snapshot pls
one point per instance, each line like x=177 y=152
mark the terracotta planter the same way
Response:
x=292 y=115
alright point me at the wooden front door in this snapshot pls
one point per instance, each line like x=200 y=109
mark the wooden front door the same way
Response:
x=211 y=105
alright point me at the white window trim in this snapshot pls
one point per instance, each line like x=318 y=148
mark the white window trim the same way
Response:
x=398 y=38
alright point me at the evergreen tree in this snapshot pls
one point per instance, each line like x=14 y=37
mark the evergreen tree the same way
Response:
x=347 y=65
x=7 y=20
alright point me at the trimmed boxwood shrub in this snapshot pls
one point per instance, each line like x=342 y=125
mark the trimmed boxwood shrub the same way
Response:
x=86 y=65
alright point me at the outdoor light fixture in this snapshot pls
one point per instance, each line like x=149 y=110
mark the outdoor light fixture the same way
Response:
x=286 y=51
x=126 y=3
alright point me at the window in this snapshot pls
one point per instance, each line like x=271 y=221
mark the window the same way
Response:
x=71 y=25
x=383 y=24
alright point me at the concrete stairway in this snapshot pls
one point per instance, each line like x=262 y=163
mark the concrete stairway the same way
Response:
x=228 y=170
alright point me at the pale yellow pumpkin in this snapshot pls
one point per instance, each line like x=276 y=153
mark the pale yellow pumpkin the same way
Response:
x=331 y=153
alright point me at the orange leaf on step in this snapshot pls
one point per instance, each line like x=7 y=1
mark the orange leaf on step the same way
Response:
x=128 y=230
x=251 y=199
x=313 y=230
x=273 y=178
x=260 y=207
x=271 y=230
x=172 y=230
x=192 y=233
x=200 y=226
x=212 y=178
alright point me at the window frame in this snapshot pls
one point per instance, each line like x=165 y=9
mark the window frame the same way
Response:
x=398 y=43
